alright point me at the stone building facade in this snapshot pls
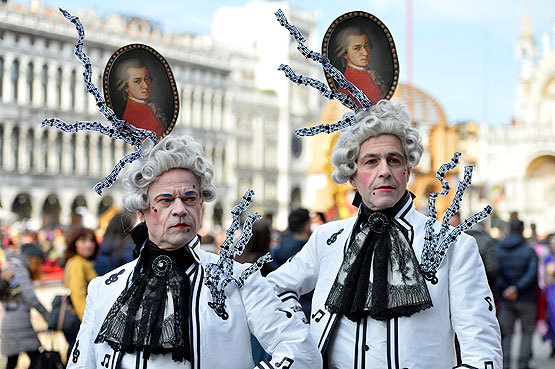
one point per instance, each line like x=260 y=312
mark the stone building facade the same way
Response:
x=47 y=175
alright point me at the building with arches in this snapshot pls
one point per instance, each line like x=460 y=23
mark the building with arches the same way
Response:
x=439 y=140
x=519 y=159
x=47 y=175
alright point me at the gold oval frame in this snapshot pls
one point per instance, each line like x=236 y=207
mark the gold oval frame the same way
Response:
x=360 y=17
x=142 y=50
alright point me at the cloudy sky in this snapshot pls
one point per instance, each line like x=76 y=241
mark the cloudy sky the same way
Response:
x=463 y=51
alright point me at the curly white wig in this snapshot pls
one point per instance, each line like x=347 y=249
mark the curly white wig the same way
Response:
x=169 y=153
x=386 y=116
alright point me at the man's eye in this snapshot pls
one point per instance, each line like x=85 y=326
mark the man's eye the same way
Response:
x=371 y=161
x=166 y=200
x=191 y=200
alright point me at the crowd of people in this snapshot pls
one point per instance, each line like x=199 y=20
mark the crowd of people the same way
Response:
x=149 y=292
x=520 y=272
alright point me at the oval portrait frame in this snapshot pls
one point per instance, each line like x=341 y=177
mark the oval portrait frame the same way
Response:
x=164 y=98
x=383 y=65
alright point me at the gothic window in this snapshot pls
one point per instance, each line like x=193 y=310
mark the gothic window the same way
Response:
x=86 y=152
x=1 y=75
x=44 y=83
x=72 y=83
x=14 y=76
x=1 y=146
x=30 y=148
x=59 y=85
x=113 y=150
x=73 y=153
x=30 y=77
x=44 y=148
x=15 y=147
x=59 y=151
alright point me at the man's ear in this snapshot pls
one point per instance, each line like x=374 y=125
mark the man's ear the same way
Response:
x=141 y=215
x=352 y=180
x=408 y=172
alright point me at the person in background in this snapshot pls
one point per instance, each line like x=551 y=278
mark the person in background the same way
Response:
x=518 y=274
x=486 y=246
x=258 y=245
x=549 y=263
x=82 y=249
x=292 y=242
x=117 y=246
x=18 y=334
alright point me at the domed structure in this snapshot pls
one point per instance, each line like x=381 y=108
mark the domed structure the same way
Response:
x=437 y=138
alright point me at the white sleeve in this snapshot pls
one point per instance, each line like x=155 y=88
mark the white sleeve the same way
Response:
x=299 y=274
x=83 y=355
x=472 y=308
x=280 y=332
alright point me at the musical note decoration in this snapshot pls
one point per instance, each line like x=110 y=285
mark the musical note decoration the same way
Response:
x=220 y=274
x=436 y=244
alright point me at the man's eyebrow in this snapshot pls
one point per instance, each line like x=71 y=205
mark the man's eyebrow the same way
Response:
x=372 y=155
x=191 y=193
x=163 y=195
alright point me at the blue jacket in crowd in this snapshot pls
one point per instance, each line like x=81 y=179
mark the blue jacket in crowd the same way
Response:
x=518 y=266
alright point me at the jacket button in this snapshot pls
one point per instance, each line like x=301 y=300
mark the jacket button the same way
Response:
x=365 y=348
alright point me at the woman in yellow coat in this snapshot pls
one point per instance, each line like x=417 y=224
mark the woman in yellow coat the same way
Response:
x=81 y=250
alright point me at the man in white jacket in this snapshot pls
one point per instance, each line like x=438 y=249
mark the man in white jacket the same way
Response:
x=158 y=311
x=373 y=306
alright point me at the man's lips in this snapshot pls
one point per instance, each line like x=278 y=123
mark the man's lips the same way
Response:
x=385 y=188
x=180 y=225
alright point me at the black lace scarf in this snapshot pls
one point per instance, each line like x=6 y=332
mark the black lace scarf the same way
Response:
x=151 y=314
x=380 y=276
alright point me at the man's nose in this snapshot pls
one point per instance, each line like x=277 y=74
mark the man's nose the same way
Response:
x=384 y=170
x=364 y=51
x=178 y=207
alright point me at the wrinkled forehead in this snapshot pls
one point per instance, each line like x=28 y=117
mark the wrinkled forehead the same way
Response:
x=383 y=143
x=175 y=182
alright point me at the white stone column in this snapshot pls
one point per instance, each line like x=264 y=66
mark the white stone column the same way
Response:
x=80 y=92
x=197 y=108
x=22 y=153
x=227 y=116
x=52 y=94
x=38 y=157
x=7 y=154
x=67 y=159
x=185 y=116
x=217 y=110
x=206 y=122
x=218 y=167
x=106 y=157
x=119 y=150
x=79 y=153
x=94 y=163
x=52 y=167
x=65 y=104
x=7 y=79
x=65 y=207
x=22 y=90
x=38 y=93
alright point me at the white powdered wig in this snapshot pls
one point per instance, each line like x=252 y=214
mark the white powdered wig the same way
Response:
x=181 y=152
x=386 y=116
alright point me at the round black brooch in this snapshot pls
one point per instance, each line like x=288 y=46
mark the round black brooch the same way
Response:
x=377 y=222
x=161 y=265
